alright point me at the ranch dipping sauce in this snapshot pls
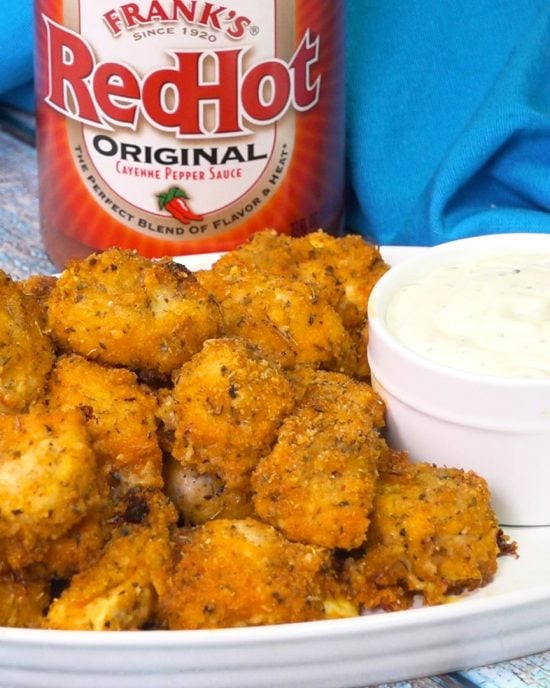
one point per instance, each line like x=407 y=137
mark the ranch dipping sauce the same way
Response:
x=484 y=315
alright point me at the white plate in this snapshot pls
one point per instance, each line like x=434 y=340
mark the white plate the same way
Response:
x=508 y=618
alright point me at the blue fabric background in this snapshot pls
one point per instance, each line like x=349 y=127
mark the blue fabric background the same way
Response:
x=448 y=120
x=16 y=56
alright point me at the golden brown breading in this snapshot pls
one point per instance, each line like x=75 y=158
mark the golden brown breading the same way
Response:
x=241 y=573
x=23 y=601
x=317 y=484
x=286 y=318
x=300 y=378
x=47 y=481
x=120 y=590
x=266 y=251
x=82 y=545
x=166 y=415
x=121 y=309
x=338 y=271
x=433 y=533
x=342 y=270
x=229 y=403
x=354 y=361
x=26 y=353
x=120 y=417
x=229 y=397
x=39 y=287
x=345 y=270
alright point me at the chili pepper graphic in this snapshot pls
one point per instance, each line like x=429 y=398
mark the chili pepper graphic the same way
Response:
x=175 y=202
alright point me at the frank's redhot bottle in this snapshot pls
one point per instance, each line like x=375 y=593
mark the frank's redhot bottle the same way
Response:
x=180 y=126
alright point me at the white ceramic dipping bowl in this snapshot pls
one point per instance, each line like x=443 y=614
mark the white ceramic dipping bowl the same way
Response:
x=498 y=427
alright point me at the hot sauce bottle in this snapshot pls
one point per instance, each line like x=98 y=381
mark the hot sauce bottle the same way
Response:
x=178 y=126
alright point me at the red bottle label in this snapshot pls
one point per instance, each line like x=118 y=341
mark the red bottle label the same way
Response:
x=184 y=126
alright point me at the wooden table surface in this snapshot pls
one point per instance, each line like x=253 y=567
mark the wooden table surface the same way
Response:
x=22 y=254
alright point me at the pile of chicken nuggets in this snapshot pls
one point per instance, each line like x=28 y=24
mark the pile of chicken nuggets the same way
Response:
x=187 y=450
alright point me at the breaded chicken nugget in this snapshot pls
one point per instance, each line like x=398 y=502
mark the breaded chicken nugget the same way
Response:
x=23 y=601
x=229 y=404
x=267 y=251
x=345 y=269
x=317 y=484
x=286 y=318
x=119 y=414
x=26 y=353
x=39 y=287
x=241 y=573
x=120 y=590
x=342 y=270
x=47 y=481
x=122 y=309
x=433 y=533
x=82 y=545
x=339 y=271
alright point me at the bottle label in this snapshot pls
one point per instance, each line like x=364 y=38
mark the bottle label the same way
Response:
x=182 y=116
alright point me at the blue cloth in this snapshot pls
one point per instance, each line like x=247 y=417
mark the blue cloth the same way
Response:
x=16 y=56
x=448 y=118
x=448 y=124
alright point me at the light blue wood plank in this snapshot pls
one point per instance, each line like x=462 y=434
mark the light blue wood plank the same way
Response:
x=21 y=249
x=518 y=673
